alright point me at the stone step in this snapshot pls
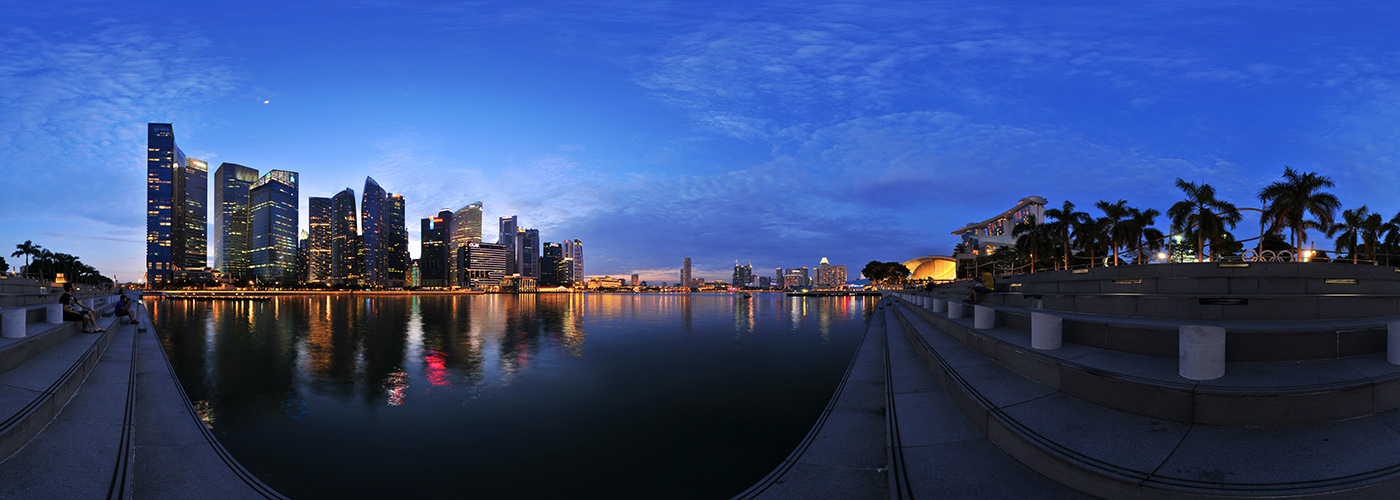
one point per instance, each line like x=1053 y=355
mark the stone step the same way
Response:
x=43 y=372
x=1269 y=394
x=1115 y=454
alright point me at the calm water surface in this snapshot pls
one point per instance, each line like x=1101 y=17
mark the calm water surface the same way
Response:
x=504 y=396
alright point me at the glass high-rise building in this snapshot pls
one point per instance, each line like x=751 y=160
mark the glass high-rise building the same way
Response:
x=393 y=242
x=527 y=252
x=574 y=251
x=345 y=251
x=230 y=237
x=485 y=264
x=432 y=259
x=176 y=198
x=319 y=248
x=371 y=215
x=685 y=273
x=506 y=236
x=466 y=228
x=743 y=274
x=273 y=249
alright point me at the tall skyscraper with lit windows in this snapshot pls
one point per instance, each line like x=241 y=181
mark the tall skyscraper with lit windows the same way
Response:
x=432 y=259
x=506 y=237
x=176 y=197
x=393 y=242
x=371 y=215
x=319 y=247
x=274 y=217
x=346 y=266
x=230 y=237
x=466 y=228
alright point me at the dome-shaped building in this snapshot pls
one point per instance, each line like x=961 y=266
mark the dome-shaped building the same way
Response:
x=933 y=267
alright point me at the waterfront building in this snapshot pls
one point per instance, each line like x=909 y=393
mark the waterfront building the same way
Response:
x=432 y=257
x=415 y=275
x=484 y=264
x=346 y=267
x=507 y=237
x=743 y=275
x=518 y=284
x=303 y=257
x=466 y=228
x=796 y=277
x=319 y=251
x=636 y=280
x=555 y=268
x=176 y=197
x=232 y=183
x=393 y=242
x=829 y=276
x=979 y=237
x=527 y=252
x=273 y=226
x=685 y=273
x=577 y=257
x=371 y=215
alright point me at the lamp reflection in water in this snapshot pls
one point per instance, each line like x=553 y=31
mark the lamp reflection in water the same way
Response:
x=395 y=385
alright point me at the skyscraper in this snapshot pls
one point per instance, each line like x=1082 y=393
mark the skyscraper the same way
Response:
x=371 y=213
x=484 y=264
x=345 y=251
x=506 y=237
x=829 y=275
x=432 y=259
x=176 y=196
x=743 y=274
x=577 y=256
x=527 y=252
x=466 y=228
x=393 y=242
x=272 y=253
x=319 y=248
x=685 y=273
x=232 y=183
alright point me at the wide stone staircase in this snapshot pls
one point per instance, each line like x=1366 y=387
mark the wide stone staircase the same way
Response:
x=99 y=415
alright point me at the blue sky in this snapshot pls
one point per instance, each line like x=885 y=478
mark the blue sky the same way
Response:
x=776 y=133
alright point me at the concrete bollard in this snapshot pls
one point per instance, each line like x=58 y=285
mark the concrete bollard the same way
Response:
x=1046 y=331
x=53 y=314
x=1201 y=352
x=955 y=310
x=14 y=322
x=1392 y=350
x=937 y=305
x=984 y=317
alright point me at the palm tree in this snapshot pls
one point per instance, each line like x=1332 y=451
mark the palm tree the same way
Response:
x=1203 y=213
x=1064 y=225
x=1114 y=215
x=27 y=249
x=1297 y=195
x=1371 y=230
x=1139 y=228
x=1349 y=230
x=1391 y=240
x=1086 y=233
x=1030 y=236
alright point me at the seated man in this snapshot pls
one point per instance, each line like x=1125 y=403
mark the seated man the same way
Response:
x=979 y=291
x=123 y=308
x=75 y=310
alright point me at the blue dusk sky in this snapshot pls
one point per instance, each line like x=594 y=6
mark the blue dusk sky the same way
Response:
x=766 y=132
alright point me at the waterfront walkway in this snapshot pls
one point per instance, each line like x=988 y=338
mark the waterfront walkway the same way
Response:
x=102 y=416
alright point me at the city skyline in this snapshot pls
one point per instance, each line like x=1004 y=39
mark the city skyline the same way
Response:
x=774 y=133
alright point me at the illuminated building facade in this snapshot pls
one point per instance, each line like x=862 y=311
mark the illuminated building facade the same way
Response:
x=507 y=237
x=555 y=269
x=345 y=241
x=273 y=226
x=577 y=256
x=829 y=276
x=432 y=258
x=371 y=219
x=176 y=197
x=995 y=232
x=393 y=242
x=230 y=237
x=485 y=264
x=319 y=246
x=527 y=252
x=743 y=274
x=685 y=273
x=466 y=228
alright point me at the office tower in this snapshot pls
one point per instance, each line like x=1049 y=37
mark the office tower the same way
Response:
x=232 y=183
x=345 y=265
x=829 y=275
x=176 y=197
x=303 y=257
x=432 y=258
x=685 y=273
x=192 y=193
x=636 y=280
x=272 y=253
x=466 y=228
x=484 y=264
x=319 y=251
x=393 y=242
x=371 y=212
x=743 y=275
x=578 y=260
x=778 y=274
x=527 y=252
x=506 y=237
x=415 y=276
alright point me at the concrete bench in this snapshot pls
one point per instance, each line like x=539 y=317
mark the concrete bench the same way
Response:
x=14 y=321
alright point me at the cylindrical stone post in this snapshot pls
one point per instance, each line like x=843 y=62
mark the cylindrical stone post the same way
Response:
x=14 y=321
x=984 y=317
x=938 y=305
x=1201 y=352
x=955 y=309
x=53 y=314
x=1392 y=350
x=1046 y=331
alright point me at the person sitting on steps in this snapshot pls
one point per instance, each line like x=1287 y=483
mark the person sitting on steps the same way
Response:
x=985 y=285
x=72 y=311
x=123 y=308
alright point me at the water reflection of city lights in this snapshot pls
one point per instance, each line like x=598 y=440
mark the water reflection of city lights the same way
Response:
x=395 y=385
x=294 y=407
x=437 y=367
x=206 y=413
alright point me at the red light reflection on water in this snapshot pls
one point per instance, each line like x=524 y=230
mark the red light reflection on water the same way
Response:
x=437 y=367
x=395 y=385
